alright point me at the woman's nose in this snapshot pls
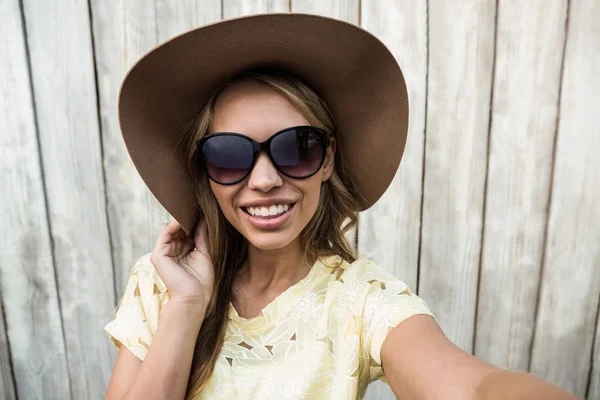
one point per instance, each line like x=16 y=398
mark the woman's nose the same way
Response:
x=264 y=176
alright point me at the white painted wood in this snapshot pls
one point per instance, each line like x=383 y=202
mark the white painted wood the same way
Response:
x=347 y=10
x=461 y=43
x=567 y=313
x=134 y=215
x=7 y=387
x=530 y=37
x=60 y=46
x=237 y=8
x=389 y=231
x=175 y=17
x=123 y=31
x=27 y=285
x=594 y=385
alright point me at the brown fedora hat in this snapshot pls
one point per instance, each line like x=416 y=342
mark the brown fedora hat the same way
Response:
x=348 y=67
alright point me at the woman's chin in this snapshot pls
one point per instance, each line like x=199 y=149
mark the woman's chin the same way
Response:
x=269 y=241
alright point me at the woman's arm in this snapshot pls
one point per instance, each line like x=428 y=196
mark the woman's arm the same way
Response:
x=502 y=384
x=420 y=362
x=165 y=371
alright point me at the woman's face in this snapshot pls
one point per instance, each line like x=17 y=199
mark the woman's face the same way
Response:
x=254 y=110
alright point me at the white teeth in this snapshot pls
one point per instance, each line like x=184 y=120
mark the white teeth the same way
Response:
x=273 y=210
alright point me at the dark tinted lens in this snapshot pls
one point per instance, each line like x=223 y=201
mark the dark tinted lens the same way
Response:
x=227 y=158
x=298 y=152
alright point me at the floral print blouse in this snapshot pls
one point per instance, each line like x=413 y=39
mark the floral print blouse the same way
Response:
x=319 y=339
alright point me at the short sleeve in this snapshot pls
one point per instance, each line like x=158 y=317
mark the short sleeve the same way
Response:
x=389 y=301
x=136 y=318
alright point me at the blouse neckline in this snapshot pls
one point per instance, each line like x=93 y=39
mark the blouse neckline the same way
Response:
x=280 y=305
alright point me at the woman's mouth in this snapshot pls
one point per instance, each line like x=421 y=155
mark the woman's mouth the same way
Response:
x=271 y=211
x=269 y=217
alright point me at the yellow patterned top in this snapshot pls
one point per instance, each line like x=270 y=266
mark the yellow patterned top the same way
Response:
x=319 y=339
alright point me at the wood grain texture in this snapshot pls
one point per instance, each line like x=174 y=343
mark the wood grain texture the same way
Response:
x=389 y=231
x=27 y=284
x=7 y=385
x=123 y=31
x=530 y=38
x=461 y=43
x=593 y=391
x=60 y=45
x=348 y=10
x=237 y=8
x=568 y=306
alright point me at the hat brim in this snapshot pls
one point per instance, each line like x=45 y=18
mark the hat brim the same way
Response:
x=353 y=71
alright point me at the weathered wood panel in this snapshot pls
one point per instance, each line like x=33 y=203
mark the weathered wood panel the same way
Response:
x=570 y=282
x=237 y=8
x=31 y=305
x=593 y=392
x=461 y=44
x=348 y=10
x=530 y=37
x=62 y=68
x=123 y=31
x=389 y=232
x=7 y=385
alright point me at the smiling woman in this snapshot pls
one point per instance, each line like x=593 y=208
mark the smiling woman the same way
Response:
x=253 y=291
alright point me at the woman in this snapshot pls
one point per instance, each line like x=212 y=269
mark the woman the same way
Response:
x=263 y=298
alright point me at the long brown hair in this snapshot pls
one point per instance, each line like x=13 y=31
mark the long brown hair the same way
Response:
x=323 y=236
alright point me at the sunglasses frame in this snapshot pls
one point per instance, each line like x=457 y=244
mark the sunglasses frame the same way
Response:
x=257 y=147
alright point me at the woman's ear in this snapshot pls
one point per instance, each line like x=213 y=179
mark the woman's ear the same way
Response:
x=329 y=159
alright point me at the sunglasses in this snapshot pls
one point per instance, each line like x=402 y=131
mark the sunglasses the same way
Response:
x=297 y=152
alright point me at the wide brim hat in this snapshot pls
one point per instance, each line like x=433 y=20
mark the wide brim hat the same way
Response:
x=351 y=70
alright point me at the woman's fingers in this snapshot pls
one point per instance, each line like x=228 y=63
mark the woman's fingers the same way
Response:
x=187 y=245
x=170 y=233
x=173 y=242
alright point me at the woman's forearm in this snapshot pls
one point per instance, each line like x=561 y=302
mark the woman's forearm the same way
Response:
x=510 y=385
x=165 y=372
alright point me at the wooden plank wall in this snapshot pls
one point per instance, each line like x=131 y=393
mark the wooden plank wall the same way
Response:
x=493 y=218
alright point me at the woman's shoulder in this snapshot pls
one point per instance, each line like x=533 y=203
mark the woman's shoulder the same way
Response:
x=361 y=270
x=146 y=278
x=364 y=288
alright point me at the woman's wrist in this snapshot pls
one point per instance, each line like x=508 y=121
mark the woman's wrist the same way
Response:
x=191 y=307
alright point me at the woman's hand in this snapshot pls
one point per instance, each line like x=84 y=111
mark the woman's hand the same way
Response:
x=187 y=272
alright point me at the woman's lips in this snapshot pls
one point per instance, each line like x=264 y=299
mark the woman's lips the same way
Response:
x=271 y=221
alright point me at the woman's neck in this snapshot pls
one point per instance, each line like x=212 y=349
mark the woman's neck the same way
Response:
x=274 y=270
